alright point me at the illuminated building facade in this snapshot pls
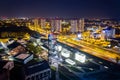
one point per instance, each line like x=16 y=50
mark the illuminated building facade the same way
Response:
x=52 y=23
x=81 y=25
x=56 y=25
x=43 y=23
x=36 y=23
x=74 y=26
x=108 y=33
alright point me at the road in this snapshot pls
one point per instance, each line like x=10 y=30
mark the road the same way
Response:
x=104 y=54
x=93 y=50
x=92 y=66
x=98 y=62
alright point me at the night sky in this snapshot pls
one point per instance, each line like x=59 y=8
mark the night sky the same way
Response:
x=60 y=8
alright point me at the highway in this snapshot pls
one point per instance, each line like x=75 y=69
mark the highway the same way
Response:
x=93 y=50
x=98 y=52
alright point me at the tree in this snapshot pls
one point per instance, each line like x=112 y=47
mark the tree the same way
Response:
x=65 y=28
x=34 y=49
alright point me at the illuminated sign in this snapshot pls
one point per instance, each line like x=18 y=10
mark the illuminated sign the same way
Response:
x=80 y=57
x=69 y=61
x=65 y=53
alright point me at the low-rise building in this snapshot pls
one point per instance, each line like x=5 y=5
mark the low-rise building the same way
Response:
x=27 y=65
x=33 y=70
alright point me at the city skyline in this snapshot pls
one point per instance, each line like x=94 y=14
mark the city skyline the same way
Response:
x=60 y=8
x=59 y=49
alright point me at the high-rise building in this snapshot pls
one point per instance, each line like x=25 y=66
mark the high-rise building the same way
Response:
x=74 y=26
x=81 y=25
x=56 y=25
x=43 y=23
x=36 y=24
x=108 y=33
x=52 y=23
